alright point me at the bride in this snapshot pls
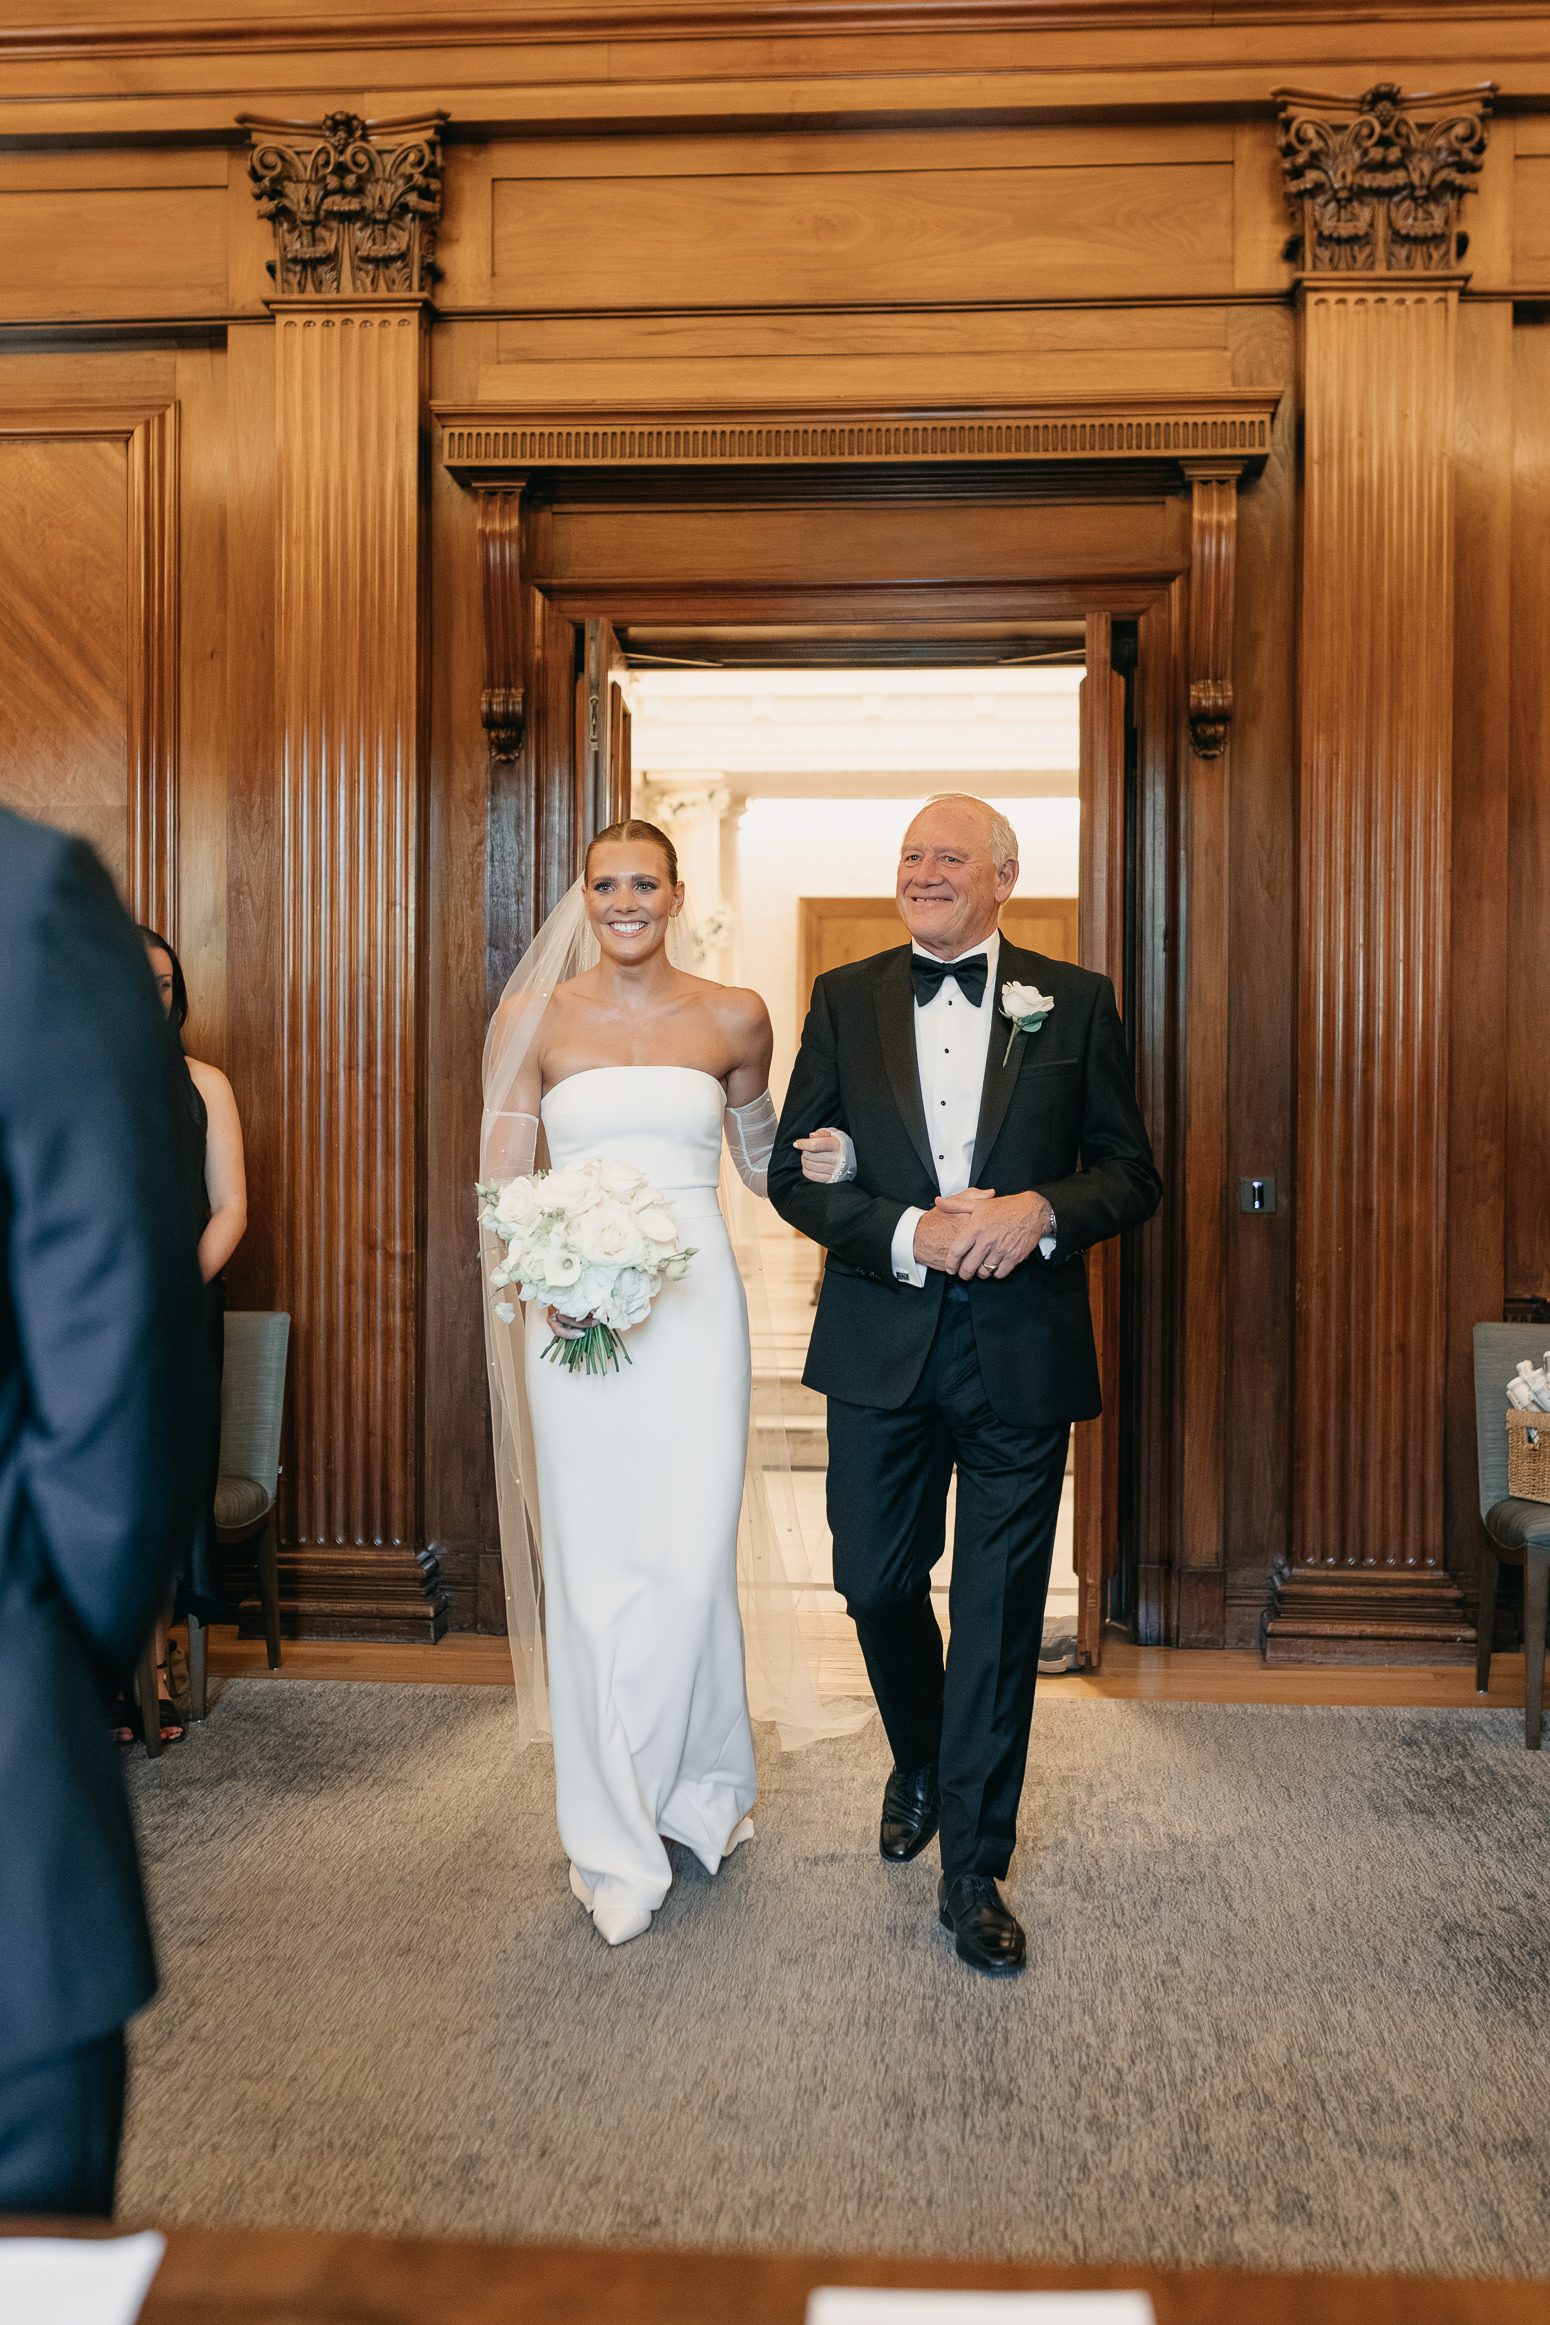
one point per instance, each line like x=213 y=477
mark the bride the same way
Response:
x=621 y=1495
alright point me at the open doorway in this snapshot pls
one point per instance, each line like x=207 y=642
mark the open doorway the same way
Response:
x=787 y=787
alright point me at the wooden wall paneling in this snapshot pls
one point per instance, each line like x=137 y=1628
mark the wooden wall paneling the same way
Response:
x=652 y=240
x=1151 y=1010
x=255 y=839
x=554 y=652
x=1205 y=838
x=472 y=898
x=204 y=462
x=1101 y=938
x=1261 y=994
x=153 y=662
x=119 y=252
x=91 y=637
x=1367 y=1581
x=1527 y=1221
x=350 y=382
x=1479 y=1028
x=64 y=623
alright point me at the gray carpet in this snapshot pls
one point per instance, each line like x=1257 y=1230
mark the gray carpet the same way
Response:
x=1286 y=2005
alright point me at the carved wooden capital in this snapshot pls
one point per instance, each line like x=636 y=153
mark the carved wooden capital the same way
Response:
x=1377 y=182
x=355 y=204
x=1213 y=552
x=500 y=572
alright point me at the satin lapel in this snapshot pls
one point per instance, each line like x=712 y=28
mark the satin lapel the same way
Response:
x=1015 y=966
x=895 y=1000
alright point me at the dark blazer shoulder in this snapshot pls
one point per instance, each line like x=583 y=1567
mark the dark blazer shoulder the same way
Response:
x=1060 y=979
x=37 y=865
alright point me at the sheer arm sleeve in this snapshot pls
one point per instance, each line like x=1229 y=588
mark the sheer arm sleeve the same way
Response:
x=508 y=1147
x=750 y=1132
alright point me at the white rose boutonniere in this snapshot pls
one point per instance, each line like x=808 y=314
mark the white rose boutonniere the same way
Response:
x=1027 y=1007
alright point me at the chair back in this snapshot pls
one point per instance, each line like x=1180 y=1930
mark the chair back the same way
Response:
x=1499 y=1350
x=253 y=1395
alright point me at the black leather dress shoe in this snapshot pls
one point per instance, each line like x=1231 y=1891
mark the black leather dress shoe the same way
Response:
x=912 y=1808
x=988 y=1933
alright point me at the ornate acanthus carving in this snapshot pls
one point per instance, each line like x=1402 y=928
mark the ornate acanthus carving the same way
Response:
x=500 y=571
x=1378 y=182
x=354 y=204
x=1213 y=555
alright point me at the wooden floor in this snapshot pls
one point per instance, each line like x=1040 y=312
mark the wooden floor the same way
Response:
x=1129 y=1674
x=259 y=2276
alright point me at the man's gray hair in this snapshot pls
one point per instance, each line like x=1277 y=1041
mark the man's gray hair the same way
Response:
x=1003 y=840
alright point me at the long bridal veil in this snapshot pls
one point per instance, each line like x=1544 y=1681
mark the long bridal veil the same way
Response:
x=772 y=1567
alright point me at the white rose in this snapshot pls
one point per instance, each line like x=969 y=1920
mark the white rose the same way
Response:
x=658 y=1223
x=570 y=1192
x=607 y=1234
x=517 y=1204
x=1019 y=1001
x=619 y=1178
x=644 y=1195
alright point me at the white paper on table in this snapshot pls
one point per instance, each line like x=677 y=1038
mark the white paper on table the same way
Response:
x=872 y=2305
x=62 y=2280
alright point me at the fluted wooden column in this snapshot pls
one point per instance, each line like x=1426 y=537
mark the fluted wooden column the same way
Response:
x=350 y=384
x=1367 y=1581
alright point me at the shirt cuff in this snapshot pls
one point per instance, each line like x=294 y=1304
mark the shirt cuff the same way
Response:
x=907 y=1268
x=1047 y=1242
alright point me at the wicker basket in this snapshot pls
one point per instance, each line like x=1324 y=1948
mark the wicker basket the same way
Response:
x=1528 y=1456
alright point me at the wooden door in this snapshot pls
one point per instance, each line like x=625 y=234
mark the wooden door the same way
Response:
x=837 y=929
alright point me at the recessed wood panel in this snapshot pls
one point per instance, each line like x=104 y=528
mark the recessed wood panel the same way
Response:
x=803 y=334
x=96 y=251
x=839 y=929
x=64 y=748
x=900 y=379
x=1531 y=219
x=993 y=233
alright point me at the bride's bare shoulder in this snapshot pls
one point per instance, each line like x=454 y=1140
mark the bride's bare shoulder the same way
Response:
x=736 y=1008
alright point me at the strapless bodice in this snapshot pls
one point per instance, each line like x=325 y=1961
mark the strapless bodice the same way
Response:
x=666 y=1120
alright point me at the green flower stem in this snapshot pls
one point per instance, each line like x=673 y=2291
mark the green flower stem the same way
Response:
x=598 y=1348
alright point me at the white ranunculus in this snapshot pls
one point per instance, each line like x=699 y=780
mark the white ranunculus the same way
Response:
x=607 y=1233
x=657 y=1223
x=632 y=1299
x=619 y=1178
x=570 y=1192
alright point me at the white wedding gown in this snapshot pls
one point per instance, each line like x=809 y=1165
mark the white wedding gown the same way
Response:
x=640 y=1480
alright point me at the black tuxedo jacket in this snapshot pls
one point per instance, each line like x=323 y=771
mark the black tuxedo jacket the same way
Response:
x=1058 y=1115
x=99 y=1308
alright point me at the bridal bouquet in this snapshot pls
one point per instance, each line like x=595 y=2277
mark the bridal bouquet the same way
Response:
x=594 y=1242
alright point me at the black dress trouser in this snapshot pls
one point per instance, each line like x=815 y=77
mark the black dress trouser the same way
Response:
x=60 y=2120
x=888 y=1478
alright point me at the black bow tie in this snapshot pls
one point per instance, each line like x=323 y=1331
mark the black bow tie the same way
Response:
x=926 y=976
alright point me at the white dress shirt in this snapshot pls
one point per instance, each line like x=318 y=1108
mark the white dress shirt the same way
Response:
x=952 y=1044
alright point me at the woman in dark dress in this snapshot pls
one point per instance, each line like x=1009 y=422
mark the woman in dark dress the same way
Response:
x=211 y=1155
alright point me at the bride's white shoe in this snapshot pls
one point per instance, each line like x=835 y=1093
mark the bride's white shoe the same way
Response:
x=616 y=1920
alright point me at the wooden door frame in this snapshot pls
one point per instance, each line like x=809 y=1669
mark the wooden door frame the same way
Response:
x=529 y=466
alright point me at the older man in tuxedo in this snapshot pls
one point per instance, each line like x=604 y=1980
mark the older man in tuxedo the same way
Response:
x=99 y=1307
x=992 y=1142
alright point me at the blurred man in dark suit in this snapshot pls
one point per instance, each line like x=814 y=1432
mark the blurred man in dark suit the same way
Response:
x=98 y=1321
